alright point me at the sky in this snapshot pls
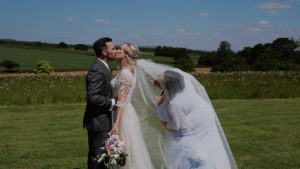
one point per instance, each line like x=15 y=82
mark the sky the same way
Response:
x=194 y=24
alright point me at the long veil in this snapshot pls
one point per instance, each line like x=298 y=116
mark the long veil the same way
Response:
x=146 y=71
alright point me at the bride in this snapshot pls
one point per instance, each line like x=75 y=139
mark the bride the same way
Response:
x=127 y=121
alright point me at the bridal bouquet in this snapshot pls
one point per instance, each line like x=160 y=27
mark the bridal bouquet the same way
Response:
x=114 y=151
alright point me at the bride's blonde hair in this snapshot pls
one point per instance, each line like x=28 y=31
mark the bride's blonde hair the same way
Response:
x=133 y=54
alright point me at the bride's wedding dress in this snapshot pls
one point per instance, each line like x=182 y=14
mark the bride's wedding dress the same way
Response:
x=130 y=128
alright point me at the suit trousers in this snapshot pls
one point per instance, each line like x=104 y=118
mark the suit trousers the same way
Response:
x=96 y=140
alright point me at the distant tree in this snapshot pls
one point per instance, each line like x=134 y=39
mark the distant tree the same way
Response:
x=298 y=43
x=286 y=47
x=207 y=58
x=157 y=51
x=9 y=65
x=182 y=60
x=246 y=53
x=185 y=63
x=231 y=64
x=81 y=47
x=285 y=44
x=228 y=61
x=279 y=55
x=168 y=51
x=297 y=56
x=146 y=49
x=39 y=44
x=62 y=45
x=7 y=41
x=224 y=51
x=43 y=67
x=267 y=60
x=256 y=51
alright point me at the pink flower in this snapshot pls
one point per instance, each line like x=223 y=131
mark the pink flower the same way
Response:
x=114 y=138
x=107 y=148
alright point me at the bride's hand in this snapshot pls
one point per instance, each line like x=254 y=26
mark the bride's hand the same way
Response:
x=116 y=128
x=164 y=123
x=170 y=130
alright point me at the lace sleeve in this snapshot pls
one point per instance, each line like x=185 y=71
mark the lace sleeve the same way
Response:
x=114 y=83
x=125 y=80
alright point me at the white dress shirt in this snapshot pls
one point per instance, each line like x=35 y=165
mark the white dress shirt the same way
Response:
x=113 y=102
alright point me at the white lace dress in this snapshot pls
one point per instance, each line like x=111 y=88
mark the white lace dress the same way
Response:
x=130 y=128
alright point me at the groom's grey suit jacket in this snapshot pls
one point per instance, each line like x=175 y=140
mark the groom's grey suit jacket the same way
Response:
x=97 y=115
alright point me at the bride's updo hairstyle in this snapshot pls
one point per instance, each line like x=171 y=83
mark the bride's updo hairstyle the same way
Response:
x=173 y=81
x=133 y=54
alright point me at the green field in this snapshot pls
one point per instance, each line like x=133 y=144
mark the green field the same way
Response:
x=245 y=85
x=27 y=58
x=263 y=134
x=60 y=59
x=28 y=90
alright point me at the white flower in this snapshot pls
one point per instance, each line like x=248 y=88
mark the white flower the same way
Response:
x=113 y=162
x=112 y=146
x=116 y=156
x=121 y=150
x=101 y=158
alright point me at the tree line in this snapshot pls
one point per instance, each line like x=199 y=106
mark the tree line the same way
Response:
x=181 y=56
x=64 y=45
x=281 y=54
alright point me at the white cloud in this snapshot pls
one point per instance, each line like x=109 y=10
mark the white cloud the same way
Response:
x=273 y=5
x=101 y=21
x=68 y=20
x=203 y=14
x=253 y=29
x=170 y=36
x=180 y=30
x=264 y=23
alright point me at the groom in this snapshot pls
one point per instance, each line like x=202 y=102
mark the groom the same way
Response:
x=100 y=101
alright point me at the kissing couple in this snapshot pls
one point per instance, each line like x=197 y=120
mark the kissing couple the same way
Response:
x=194 y=136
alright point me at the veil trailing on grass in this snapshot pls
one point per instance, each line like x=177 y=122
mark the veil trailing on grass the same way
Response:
x=147 y=71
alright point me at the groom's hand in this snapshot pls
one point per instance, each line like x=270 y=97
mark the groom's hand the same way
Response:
x=164 y=123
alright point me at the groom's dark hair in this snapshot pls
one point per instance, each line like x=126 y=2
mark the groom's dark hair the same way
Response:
x=100 y=44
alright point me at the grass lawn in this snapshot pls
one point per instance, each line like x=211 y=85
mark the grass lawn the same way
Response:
x=263 y=134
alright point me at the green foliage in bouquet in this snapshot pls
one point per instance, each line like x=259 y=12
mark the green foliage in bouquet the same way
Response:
x=110 y=161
